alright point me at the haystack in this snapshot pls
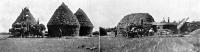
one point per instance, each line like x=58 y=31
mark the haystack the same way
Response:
x=86 y=25
x=133 y=19
x=25 y=18
x=63 y=22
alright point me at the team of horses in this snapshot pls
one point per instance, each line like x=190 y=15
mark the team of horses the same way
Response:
x=22 y=30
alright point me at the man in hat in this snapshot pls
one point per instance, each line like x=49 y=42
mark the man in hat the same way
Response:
x=151 y=32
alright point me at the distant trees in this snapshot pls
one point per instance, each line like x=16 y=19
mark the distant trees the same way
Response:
x=111 y=29
x=103 y=31
x=95 y=33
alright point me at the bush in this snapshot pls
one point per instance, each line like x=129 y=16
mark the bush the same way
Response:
x=95 y=33
x=110 y=29
x=103 y=31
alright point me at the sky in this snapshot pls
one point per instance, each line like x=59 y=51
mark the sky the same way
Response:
x=102 y=13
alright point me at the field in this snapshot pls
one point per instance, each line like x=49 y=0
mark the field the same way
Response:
x=49 y=45
x=187 y=43
x=170 y=44
x=108 y=44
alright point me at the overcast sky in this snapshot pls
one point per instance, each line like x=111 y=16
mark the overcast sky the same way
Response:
x=104 y=13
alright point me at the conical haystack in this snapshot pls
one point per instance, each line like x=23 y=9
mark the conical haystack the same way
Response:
x=25 y=18
x=133 y=19
x=63 y=22
x=86 y=25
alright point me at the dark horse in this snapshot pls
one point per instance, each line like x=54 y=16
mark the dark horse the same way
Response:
x=37 y=30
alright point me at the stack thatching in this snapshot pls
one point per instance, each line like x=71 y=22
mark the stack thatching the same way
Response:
x=133 y=19
x=86 y=25
x=25 y=18
x=63 y=22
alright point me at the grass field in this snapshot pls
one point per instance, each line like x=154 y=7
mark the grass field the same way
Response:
x=155 y=44
x=48 y=45
x=108 y=44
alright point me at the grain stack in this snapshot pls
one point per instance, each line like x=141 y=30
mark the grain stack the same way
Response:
x=86 y=25
x=25 y=18
x=63 y=23
x=133 y=19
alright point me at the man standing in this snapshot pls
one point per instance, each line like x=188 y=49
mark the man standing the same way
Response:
x=60 y=33
x=151 y=32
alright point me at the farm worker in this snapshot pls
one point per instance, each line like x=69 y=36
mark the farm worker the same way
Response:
x=133 y=29
x=23 y=31
x=43 y=34
x=151 y=31
x=60 y=32
x=115 y=32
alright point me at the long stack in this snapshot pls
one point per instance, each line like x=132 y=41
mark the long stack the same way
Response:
x=133 y=19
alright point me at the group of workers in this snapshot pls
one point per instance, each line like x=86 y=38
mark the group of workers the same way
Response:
x=22 y=30
x=140 y=32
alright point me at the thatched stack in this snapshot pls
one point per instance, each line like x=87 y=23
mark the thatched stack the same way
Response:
x=133 y=19
x=25 y=18
x=63 y=22
x=86 y=25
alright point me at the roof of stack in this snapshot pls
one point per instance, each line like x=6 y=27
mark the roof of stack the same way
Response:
x=25 y=17
x=135 y=18
x=63 y=16
x=83 y=18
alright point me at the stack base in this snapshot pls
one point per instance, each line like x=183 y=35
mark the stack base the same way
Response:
x=84 y=31
x=63 y=30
